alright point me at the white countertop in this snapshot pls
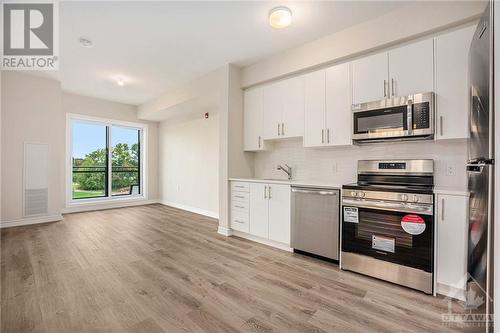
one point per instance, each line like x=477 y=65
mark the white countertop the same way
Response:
x=326 y=184
x=308 y=183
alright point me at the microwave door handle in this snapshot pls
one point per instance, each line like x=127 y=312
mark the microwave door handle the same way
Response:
x=409 y=117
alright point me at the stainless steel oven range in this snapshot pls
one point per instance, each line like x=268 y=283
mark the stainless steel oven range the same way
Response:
x=388 y=222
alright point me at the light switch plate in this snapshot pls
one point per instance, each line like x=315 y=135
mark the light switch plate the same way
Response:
x=451 y=170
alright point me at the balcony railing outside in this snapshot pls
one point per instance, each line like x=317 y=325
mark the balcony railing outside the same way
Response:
x=123 y=180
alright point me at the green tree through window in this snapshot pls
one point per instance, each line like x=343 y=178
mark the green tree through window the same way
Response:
x=90 y=160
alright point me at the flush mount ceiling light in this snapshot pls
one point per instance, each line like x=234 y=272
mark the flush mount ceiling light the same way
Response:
x=280 y=17
x=120 y=82
x=85 y=42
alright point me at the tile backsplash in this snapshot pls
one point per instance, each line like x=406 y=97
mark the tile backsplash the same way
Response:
x=338 y=165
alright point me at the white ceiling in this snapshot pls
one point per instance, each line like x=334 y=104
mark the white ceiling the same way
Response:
x=155 y=46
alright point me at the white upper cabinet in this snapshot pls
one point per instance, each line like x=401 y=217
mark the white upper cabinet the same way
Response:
x=411 y=69
x=273 y=109
x=370 y=78
x=327 y=120
x=402 y=71
x=315 y=106
x=292 y=123
x=452 y=95
x=338 y=106
x=253 y=119
x=284 y=109
x=318 y=105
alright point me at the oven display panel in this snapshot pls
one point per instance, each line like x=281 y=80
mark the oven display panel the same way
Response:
x=393 y=166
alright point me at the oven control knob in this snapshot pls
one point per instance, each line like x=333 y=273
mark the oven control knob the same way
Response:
x=404 y=197
x=415 y=198
x=354 y=194
x=361 y=194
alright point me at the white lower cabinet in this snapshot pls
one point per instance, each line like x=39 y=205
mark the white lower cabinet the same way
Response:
x=240 y=205
x=451 y=221
x=268 y=211
x=279 y=213
x=259 y=210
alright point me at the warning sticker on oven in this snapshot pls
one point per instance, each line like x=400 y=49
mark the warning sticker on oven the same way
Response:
x=413 y=224
x=351 y=214
x=383 y=243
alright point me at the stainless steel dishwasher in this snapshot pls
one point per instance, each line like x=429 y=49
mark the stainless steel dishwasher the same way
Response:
x=315 y=221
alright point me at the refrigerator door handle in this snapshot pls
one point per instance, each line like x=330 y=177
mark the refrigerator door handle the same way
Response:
x=475 y=167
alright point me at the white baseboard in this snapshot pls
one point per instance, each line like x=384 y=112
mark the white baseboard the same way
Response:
x=191 y=209
x=31 y=220
x=106 y=205
x=261 y=240
x=224 y=231
x=450 y=291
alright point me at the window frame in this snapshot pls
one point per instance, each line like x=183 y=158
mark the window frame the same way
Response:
x=109 y=123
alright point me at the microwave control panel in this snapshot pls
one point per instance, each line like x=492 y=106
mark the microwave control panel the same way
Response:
x=421 y=116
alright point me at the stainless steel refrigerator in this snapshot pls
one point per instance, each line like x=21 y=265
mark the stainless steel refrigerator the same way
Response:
x=480 y=169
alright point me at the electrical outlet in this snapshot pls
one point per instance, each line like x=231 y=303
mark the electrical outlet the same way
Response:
x=451 y=170
x=335 y=167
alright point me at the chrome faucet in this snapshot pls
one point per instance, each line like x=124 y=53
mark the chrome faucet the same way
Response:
x=286 y=169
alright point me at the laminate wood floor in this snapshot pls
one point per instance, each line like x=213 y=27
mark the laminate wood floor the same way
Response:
x=159 y=269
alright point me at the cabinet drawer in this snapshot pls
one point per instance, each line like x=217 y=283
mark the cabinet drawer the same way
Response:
x=240 y=186
x=240 y=196
x=240 y=206
x=239 y=221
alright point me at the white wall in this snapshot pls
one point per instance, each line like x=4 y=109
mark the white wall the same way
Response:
x=31 y=112
x=413 y=21
x=339 y=165
x=89 y=106
x=34 y=110
x=189 y=164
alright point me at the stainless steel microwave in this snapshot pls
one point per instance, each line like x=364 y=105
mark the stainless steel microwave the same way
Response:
x=400 y=118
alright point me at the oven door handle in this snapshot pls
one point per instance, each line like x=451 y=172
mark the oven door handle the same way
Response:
x=391 y=206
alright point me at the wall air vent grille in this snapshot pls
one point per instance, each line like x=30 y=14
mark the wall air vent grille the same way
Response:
x=36 y=172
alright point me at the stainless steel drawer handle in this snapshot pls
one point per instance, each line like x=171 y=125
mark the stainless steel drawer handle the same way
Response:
x=238 y=221
x=294 y=190
x=239 y=186
x=239 y=196
x=237 y=206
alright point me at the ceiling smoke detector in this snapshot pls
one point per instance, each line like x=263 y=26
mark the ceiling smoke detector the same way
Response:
x=85 y=42
x=280 y=17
